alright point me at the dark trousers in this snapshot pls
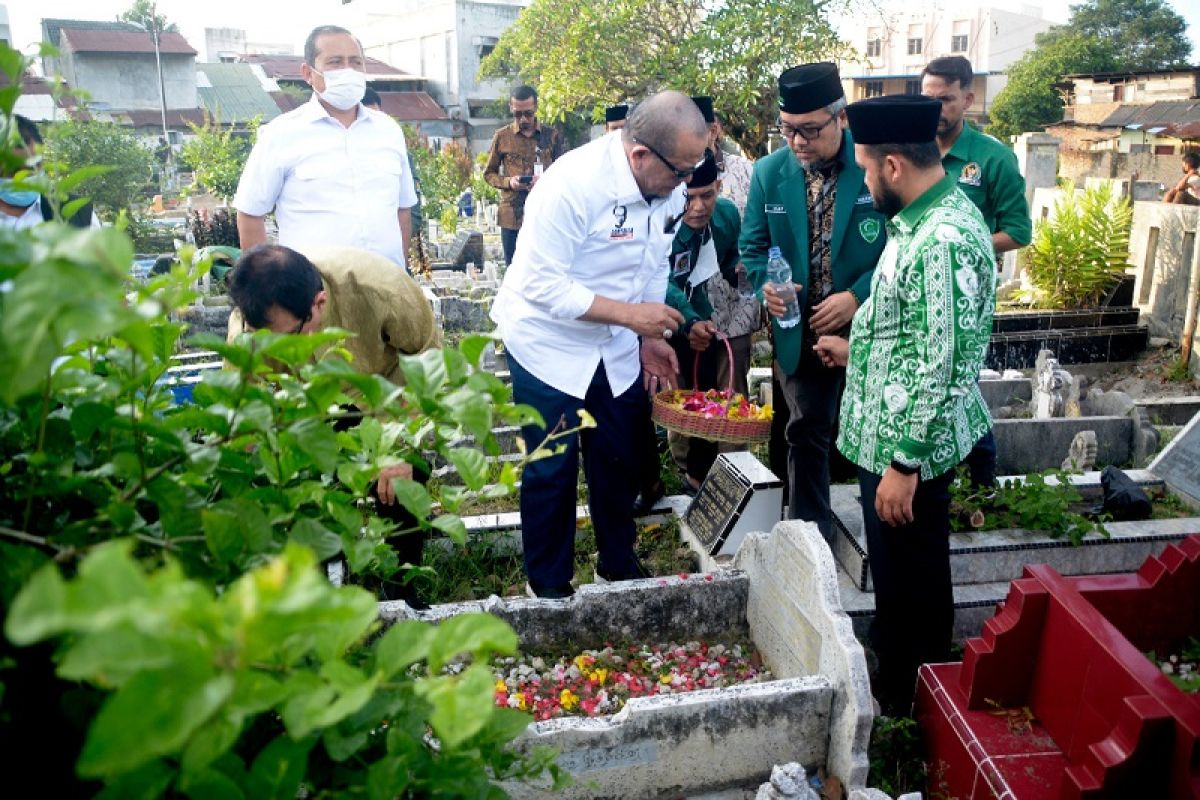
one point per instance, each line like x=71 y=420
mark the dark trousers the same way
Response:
x=981 y=461
x=813 y=394
x=508 y=240
x=697 y=455
x=611 y=454
x=914 y=599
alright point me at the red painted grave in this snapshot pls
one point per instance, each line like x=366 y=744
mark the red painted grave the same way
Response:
x=1057 y=699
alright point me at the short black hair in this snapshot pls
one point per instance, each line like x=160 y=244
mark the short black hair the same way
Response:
x=272 y=275
x=28 y=130
x=950 y=69
x=372 y=98
x=1192 y=159
x=523 y=92
x=310 y=44
x=921 y=155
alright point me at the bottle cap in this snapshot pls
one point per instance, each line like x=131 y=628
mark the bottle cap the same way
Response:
x=774 y=252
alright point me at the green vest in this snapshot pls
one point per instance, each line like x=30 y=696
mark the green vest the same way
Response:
x=724 y=226
x=777 y=216
x=988 y=175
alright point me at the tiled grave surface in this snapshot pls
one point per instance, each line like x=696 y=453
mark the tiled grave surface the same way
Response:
x=1072 y=346
x=784 y=593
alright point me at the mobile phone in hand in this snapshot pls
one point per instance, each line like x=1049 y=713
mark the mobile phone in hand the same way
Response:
x=525 y=179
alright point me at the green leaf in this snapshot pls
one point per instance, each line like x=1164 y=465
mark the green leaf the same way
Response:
x=311 y=533
x=472 y=411
x=322 y=704
x=113 y=655
x=87 y=418
x=316 y=439
x=152 y=715
x=40 y=608
x=471 y=464
x=147 y=782
x=413 y=497
x=472 y=347
x=478 y=634
x=234 y=528
x=279 y=769
x=210 y=784
x=211 y=741
x=405 y=643
x=462 y=704
x=424 y=374
x=453 y=527
x=388 y=778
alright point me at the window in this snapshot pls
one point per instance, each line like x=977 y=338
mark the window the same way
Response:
x=914 y=46
x=1164 y=149
x=1118 y=92
x=874 y=48
x=912 y=87
x=958 y=43
x=872 y=88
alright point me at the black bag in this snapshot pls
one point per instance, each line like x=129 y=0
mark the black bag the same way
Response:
x=1124 y=500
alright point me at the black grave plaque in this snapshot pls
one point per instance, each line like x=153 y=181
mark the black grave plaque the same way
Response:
x=721 y=500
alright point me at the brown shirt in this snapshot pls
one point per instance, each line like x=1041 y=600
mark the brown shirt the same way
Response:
x=512 y=153
x=377 y=301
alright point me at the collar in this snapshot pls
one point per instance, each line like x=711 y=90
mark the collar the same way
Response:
x=961 y=149
x=911 y=215
x=627 y=190
x=313 y=111
x=515 y=127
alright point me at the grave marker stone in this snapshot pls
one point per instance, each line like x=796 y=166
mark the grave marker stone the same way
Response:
x=737 y=496
x=466 y=248
x=1179 y=462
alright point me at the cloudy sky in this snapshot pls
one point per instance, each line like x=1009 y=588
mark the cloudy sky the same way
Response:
x=276 y=21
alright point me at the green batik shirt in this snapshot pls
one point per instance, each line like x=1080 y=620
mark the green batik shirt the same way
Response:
x=918 y=342
x=988 y=174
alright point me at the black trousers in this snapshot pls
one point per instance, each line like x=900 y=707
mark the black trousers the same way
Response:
x=813 y=394
x=914 y=599
x=508 y=241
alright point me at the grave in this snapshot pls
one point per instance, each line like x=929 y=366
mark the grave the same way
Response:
x=782 y=592
x=466 y=248
x=737 y=496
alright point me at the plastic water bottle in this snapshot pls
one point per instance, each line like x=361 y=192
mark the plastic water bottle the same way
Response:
x=779 y=275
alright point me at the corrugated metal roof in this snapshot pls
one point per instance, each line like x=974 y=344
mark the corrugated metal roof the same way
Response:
x=411 y=106
x=232 y=93
x=1165 y=112
x=287 y=68
x=52 y=27
x=85 y=40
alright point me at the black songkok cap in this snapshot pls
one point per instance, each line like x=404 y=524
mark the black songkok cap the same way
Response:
x=894 y=119
x=704 y=103
x=809 y=87
x=616 y=113
x=707 y=172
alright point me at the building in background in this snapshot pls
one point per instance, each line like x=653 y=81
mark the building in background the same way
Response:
x=893 y=46
x=444 y=41
x=5 y=31
x=227 y=45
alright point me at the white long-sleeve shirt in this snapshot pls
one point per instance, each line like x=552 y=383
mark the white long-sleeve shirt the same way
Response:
x=588 y=231
x=330 y=185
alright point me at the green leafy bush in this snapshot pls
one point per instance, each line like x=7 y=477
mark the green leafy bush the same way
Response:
x=1079 y=254
x=163 y=561
x=1032 y=502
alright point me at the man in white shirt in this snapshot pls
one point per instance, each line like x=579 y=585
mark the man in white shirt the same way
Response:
x=582 y=289
x=334 y=171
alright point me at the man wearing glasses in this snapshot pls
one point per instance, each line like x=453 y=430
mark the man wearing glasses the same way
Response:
x=588 y=279
x=518 y=155
x=809 y=200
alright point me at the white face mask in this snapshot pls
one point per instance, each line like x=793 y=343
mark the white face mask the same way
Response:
x=344 y=88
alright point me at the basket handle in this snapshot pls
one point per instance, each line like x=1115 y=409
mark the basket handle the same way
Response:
x=696 y=364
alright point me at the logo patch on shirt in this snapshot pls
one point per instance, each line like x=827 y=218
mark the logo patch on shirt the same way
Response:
x=683 y=265
x=863 y=199
x=869 y=229
x=971 y=174
x=774 y=208
x=621 y=235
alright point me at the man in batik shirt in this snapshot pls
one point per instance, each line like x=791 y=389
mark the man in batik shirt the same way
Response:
x=912 y=408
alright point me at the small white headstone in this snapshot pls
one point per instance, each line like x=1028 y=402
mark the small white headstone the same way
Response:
x=1179 y=462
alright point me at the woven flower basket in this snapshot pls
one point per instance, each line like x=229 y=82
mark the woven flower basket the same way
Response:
x=666 y=413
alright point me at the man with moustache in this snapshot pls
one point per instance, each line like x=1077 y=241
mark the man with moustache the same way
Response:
x=988 y=175
x=333 y=171
x=809 y=200
x=912 y=408
x=516 y=159
x=589 y=278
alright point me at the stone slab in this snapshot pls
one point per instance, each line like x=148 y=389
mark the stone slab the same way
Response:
x=1171 y=410
x=999 y=556
x=1179 y=462
x=1004 y=391
x=1034 y=445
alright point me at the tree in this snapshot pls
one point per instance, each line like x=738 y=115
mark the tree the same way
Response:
x=217 y=155
x=1145 y=34
x=75 y=145
x=584 y=56
x=145 y=13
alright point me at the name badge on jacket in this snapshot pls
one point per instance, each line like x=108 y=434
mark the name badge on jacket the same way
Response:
x=774 y=208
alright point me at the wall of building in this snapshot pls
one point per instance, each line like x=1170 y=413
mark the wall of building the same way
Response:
x=1141 y=89
x=130 y=80
x=1079 y=165
x=1166 y=261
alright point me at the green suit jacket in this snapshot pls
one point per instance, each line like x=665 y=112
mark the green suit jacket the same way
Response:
x=777 y=216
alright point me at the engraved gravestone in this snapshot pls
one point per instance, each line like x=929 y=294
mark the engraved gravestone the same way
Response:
x=738 y=495
x=467 y=247
x=1179 y=462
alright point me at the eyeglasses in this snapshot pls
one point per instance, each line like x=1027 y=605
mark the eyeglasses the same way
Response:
x=523 y=114
x=806 y=132
x=300 y=328
x=676 y=171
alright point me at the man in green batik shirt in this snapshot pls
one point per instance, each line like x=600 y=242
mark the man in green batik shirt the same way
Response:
x=912 y=408
x=988 y=175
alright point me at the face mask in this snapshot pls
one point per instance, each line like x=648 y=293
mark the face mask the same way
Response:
x=19 y=199
x=344 y=88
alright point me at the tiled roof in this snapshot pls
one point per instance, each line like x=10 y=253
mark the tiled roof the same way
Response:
x=52 y=27
x=83 y=40
x=232 y=94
